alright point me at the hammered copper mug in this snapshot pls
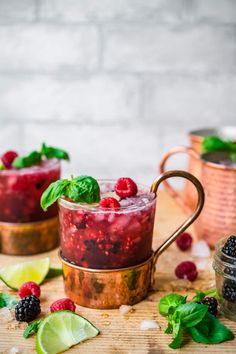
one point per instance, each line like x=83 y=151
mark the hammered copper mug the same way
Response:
x=218 y=217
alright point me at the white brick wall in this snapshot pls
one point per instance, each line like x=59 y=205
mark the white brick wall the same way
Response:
x=116 y=83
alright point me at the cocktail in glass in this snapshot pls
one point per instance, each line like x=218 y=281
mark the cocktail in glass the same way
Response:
x=94 y=237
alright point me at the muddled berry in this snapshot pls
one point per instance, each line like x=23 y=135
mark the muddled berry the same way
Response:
x=90 y=244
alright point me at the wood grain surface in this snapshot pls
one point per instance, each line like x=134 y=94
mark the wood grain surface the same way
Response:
x=121 y=334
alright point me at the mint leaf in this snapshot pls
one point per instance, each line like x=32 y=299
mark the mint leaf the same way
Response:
x=31 y=329
x=214 y=143
x=169 y=328
x=9 y=301
x=54 y=191
x=178 y=338
x=210 y=331
x=33 y=158
x=191 y=313
x=52 y=152
x=83 y=189
x=169 y=301
x=54 y=272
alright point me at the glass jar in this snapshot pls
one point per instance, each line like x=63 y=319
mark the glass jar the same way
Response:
x=225 y=273
x=98 y=238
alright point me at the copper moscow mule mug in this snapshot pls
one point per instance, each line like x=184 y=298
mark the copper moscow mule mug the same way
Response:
x=218 y=217
x=110 y=288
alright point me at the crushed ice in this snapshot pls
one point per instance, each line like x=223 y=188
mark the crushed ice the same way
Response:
x=201 y=249
x=149 y=324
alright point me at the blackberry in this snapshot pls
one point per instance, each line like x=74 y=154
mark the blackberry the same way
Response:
x=212 y=304
x=27 y=309
x=229 y=291
x=230 y=247
x=230 y=271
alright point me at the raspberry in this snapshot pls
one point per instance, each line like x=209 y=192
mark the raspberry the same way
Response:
x=212 y=304
x=187 y=270
x=126 y=187
x=29 y=288
x=8 y=158
x=63 y=304
x=109 y=203
x=27 y=309
x=184 y=241
x=230 y=247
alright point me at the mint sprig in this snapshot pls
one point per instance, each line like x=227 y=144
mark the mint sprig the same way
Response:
x=31 y=329
x=192 y=318
x=214 y=143
x=8 y=301
x=35 y=157
x=83 y=189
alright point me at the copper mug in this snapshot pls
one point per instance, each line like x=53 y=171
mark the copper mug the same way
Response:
x=218 y=217
x=110 y=288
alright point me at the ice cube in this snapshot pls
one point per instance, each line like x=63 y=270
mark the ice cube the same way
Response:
x=201 y=249
x=14 y=350
x=5 y=314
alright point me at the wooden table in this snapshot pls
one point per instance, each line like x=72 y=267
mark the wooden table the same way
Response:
x=119 y=334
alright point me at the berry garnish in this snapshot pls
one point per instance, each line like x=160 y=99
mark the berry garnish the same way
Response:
x=29 y=288
x=186 y=270
x=184 y=241
x=63 y=304
x=126 y=187
x=230 y=247
x=109 y=203
x=8 y=158
x=27 y=309
x=212 y=304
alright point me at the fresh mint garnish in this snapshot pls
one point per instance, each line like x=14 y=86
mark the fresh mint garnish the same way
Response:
x=214 y=143
x=9 y=301
x=192 y=318
x=83 y=189
x=31 y=329
x=35 y=157
x=171 y=300
x=52 y=152
x=200 y=294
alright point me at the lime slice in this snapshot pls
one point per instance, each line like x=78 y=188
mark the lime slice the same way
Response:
x=61 y=330
x=14 y=276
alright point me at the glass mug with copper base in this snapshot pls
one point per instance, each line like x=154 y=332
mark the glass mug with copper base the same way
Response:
x=119 y=269
x=25 y=228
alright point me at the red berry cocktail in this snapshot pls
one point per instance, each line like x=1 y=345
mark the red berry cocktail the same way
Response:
x=24 y=227
x=21 y=190
x=114 y=233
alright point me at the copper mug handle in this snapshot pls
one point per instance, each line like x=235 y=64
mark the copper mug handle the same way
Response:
x=190 y=219
x=175 y=195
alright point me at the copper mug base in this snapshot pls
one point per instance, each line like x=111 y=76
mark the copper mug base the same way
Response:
x=111 y=288
x=21 y=239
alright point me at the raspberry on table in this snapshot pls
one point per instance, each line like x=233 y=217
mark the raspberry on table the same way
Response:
x=63 y=304
x=186 y=270
x=229 y=247
x=184 y=241
x=126 y=187
x=212 y=304
x=8 y=158
x=29 y=288
x=27 y=309
x=109 y=203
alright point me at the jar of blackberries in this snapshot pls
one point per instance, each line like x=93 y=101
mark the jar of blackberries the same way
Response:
x=225 y=271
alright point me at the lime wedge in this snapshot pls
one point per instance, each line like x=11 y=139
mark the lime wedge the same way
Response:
x=54 y=272
x=15 y=275
x=61 y=330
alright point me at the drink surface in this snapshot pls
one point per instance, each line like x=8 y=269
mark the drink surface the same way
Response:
x=21 y=189
x=99 y=238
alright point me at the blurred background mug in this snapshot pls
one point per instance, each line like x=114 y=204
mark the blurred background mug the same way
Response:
x=218 y=217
